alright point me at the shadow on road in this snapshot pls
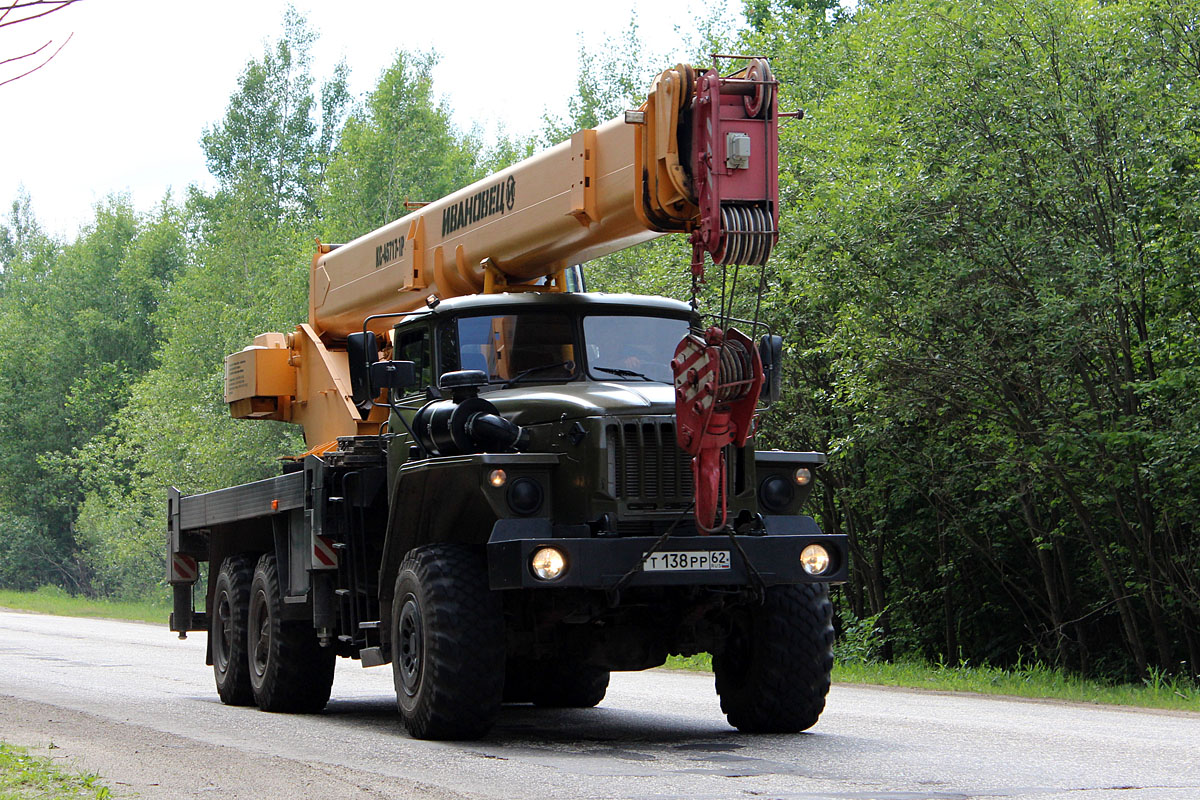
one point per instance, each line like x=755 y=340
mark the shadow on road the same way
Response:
x=529 y=726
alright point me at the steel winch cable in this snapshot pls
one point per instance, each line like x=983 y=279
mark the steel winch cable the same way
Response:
x=613 y=593
x=747 y=235
x=737 y=371
x=727 y=310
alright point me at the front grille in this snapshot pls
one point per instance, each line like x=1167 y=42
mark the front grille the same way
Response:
x=680 y=524
x=647 y=465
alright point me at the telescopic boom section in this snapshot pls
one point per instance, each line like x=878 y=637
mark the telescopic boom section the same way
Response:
x=564 y=206
x=698 y=157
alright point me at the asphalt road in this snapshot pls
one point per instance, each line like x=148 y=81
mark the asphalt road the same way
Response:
x=136 y=704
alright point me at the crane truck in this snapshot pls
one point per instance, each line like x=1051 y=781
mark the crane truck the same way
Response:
x=514 y=487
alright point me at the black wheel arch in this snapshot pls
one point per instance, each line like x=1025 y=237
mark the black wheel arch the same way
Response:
x=424 y=511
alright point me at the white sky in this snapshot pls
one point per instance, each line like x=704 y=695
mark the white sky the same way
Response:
x=122 y=107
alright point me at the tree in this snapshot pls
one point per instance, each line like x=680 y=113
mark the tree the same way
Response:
x=400 y=147
x=248 y=247
x=77 y=331
x=27 y=11
x=990 y=238
x=269 y=141
x=760 y=13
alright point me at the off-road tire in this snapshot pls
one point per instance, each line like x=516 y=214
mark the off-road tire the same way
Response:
x=447 y=643
x=773 y=673
x=227 y=631
x=554 y=683
x=289 y=670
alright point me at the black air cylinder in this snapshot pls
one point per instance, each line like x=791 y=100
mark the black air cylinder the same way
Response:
x=465 y=424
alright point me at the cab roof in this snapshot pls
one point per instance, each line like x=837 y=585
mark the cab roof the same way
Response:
x=595 y=301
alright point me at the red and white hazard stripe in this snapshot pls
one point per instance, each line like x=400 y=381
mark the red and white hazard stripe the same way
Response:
x=695 y=373
x=184 y=569
x=324 y=556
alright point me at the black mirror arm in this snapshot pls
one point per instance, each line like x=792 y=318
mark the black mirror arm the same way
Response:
x=390 y=375
x=412 y=435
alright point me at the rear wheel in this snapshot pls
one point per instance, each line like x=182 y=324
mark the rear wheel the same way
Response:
x=773 y=673
x=289 y=670
x=447 y=643
x=227 y=631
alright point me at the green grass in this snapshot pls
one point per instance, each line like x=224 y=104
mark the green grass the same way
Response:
x=23 y=777
x=701 y=662
x=52 y=600
x=1036 y=681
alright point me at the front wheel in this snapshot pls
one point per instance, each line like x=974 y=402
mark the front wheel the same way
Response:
x=774 y=672
x=447 y=643
x=289 y=670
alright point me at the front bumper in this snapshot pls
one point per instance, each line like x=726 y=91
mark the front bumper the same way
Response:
x=600 y=562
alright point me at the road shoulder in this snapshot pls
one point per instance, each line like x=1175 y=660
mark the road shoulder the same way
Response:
x=135 y=761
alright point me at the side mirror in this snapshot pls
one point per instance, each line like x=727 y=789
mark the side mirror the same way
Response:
x=393 y=375
x=770 y=350
x=362 y=350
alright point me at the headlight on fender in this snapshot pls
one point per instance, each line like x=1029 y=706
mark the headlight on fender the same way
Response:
x=548 y=563
x=815 y=559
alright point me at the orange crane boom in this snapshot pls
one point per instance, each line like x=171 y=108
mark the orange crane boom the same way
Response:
x=698 y=157
x=564 y=206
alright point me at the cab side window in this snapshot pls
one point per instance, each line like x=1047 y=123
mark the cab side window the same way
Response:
x=413 y=345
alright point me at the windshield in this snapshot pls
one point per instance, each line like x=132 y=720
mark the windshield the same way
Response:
x=632 y=348
x=517 y=347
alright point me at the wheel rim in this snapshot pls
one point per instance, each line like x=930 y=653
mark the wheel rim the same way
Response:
x=260 y=633
x=411 y=646
x=223 y=641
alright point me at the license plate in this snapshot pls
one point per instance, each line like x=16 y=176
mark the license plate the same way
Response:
x=686 y=560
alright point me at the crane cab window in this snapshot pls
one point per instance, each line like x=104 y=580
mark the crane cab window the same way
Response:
x=527 y=347
x=413 y=345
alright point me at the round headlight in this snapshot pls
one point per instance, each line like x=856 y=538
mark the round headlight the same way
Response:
x=775 y=493
x=814 y=559
x=497 y=478
x=548 y=563
x=524 y=496
x=803 y=476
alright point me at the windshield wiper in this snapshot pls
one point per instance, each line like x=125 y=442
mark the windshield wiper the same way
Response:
x=570 y=365
x=625 y=373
